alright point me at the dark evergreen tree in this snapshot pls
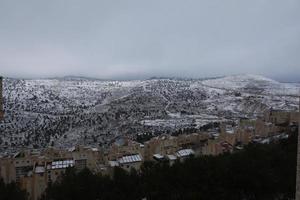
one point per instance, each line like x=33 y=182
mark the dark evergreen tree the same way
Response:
x=11 y=191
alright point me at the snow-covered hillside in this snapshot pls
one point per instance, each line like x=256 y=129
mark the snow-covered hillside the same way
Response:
x=241 y=81
x=254 y=84
x=69 y=111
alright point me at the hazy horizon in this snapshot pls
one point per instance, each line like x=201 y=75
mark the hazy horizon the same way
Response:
x=146 y=78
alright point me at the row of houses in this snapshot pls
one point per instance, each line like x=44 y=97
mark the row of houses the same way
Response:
x=273 y=124
x=33 y=170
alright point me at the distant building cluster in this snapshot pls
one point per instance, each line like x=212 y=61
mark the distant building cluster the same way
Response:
x=272 y=125
x=33 y=170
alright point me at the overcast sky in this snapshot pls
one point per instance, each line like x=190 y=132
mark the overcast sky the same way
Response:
x=144 y=38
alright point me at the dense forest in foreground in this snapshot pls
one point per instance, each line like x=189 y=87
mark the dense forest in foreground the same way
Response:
x=260 y=171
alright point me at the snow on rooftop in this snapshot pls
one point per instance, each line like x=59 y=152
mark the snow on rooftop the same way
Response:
x=113 y=163
x=185 y=152
x=158 y=156
x=95 y=149
x=171 y=157
x=39 y=169
x=16 y=154
x=230 y=131
x=130 y=159
x=265 y=141
x=72 y=149
x=62 y=164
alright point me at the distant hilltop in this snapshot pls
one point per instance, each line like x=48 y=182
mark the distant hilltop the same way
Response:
x=228 y=77
x=79 y=110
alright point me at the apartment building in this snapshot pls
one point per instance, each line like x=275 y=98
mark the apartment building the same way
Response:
x=281 y=117
x=34 y=170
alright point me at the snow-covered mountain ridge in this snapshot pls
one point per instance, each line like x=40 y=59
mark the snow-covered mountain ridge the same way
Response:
x=68 y=111
x=256 y=82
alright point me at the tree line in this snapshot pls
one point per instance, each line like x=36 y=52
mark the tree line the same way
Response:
x=260 y=171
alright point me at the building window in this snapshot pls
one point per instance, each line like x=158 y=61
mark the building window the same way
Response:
x=80 y=164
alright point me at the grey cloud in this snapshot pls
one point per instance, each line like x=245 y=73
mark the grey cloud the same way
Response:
x=139 y=38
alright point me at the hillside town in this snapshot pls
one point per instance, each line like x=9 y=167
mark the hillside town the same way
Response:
x=34 y=169
x=149 y=100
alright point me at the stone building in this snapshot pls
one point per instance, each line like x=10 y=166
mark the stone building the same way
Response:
x=123 y=147
x=34 y=170
x=228 y=134
x=85 y=157
x=244 y=135
x=280 y=117
x=160 y=145
x=129 y=162
x=216 y=146
x=265 y=128
x=168 y=145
